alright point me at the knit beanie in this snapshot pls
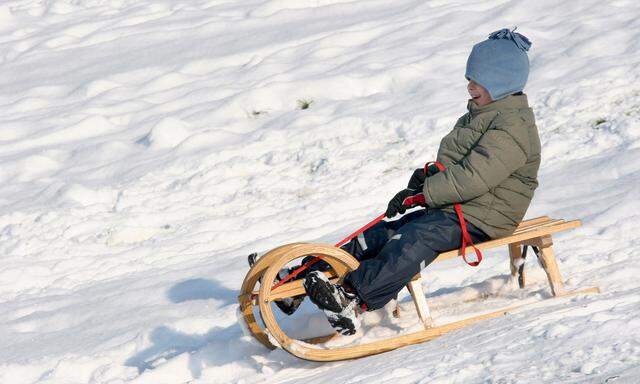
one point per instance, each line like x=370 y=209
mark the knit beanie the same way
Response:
x=500 y=64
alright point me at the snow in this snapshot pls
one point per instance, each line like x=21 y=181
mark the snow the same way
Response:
x=147 y=147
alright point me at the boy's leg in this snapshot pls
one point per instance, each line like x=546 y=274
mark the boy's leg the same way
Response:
x=339 y=302
x=365 y=246
x=414 y=246
x=368 y=244
x=362 y=247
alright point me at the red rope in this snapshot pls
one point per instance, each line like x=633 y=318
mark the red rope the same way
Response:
x=466 y=238
x=360 y=231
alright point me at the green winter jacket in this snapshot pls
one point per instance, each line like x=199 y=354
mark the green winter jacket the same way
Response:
x=492 y=157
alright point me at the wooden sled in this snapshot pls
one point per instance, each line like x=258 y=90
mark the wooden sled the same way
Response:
x=535 y=233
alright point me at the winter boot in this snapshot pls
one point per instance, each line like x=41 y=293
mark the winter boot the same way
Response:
x=290 y=304
x=338 y=304
x=287 y=305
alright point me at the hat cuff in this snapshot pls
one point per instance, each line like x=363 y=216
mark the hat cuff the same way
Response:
x=496 y=94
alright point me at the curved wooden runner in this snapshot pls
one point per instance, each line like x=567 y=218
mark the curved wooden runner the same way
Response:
x=274 y=260
x=339 y=260
x=246 y=298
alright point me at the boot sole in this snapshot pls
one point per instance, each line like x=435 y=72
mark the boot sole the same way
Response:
x=321 y=293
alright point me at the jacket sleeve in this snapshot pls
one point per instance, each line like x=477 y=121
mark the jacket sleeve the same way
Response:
x=495 y=156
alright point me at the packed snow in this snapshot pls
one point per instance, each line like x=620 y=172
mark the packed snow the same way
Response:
x=147 y=147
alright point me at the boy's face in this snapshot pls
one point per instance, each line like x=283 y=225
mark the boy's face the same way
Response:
x=478 y=94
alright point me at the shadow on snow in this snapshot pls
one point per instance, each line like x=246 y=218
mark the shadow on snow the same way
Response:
x=201 y=289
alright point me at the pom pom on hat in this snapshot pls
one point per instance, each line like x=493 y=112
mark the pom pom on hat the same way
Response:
x=520 y=40
x=500 y=64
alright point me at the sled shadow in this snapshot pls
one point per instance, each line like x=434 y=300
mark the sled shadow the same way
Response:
x=218 y=347
x=482 y=288
x=201 y=289
x=167 y=344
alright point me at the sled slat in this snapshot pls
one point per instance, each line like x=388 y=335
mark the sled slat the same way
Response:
x=531 y=222
x=529 y=228
x=523 y=235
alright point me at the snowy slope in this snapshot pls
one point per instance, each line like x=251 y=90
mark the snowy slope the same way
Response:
x=146 y=147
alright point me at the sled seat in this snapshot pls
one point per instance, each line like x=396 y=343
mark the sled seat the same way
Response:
x=535 y=233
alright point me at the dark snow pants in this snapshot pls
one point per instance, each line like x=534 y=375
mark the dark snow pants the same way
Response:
x=391 y=253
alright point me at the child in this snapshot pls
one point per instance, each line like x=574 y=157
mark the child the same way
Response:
x=491 y=156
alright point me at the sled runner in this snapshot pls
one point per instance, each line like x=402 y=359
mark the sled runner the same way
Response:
x=258 y=290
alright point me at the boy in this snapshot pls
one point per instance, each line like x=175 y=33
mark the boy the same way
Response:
x=491 y=156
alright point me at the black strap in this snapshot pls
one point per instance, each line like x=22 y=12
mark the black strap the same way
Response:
x=521 y=267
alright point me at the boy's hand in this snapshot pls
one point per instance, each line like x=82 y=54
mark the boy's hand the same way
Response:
x=417 y=179
x=403 y=200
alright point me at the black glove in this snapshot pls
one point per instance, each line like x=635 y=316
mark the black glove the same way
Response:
x=417 y=179
x=403 y=200
x=432 y=169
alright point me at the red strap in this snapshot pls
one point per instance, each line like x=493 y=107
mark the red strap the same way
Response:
x=359 y=231
x=466 y=238
x=415 y=200
x=297 y=271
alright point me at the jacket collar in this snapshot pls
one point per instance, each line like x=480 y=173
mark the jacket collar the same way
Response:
x=509 y=102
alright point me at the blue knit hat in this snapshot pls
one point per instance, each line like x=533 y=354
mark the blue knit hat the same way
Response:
x=500 y=64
